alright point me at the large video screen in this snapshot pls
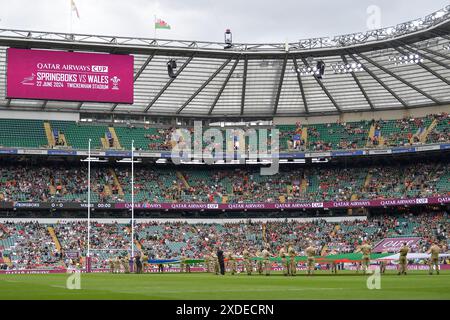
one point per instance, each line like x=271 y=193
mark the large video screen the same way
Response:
x=69 y=76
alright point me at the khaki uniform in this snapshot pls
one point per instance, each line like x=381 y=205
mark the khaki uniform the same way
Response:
x=366 y=250
x=311 y=261
x=266 y=261
x=207 y=263
x=247 y=262
x=182 y=264
x=284 y=262
x=292 y=262
x=144 y=260
x=212 y=263
x=259 y=263
x=403 y=262
x=434 y=259
x=125 y=264
x=232 y=265
x=111 y=265
x=117 y=265
x=215 y=261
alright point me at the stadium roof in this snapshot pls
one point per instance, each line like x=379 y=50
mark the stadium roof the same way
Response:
x=259 y=80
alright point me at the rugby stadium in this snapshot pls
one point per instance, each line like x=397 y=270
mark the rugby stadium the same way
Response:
x=144 y=168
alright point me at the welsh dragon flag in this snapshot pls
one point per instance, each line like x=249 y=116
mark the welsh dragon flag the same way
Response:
x=161 y=24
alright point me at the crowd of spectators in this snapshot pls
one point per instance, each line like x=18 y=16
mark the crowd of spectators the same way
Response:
x=408 y=131
x=33 y=247
x=241 y=185
x=441 y=132
x=339 y=135
x=30 y=246
x=160 y=140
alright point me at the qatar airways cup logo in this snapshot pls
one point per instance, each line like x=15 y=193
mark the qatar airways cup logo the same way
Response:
x=115 y=81
x=29 y=81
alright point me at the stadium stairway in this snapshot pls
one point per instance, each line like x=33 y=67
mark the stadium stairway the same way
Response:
x=367 y=181
x=49 y=134
x=52 y=233
x=423 y=137
x=117 y=144
x=183 y=179
x=107 y=190
x=63 y=139
x=116 y=182
x=105 y=144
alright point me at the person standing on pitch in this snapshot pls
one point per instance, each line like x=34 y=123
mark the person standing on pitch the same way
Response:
x=434 y=258
x=111 y=265
x=221 y=261
x=403 y=262
x=334 y=263
x=292 y=262
x=117 y=264
x=311 y=261
x=125 y=264
x=182 y=263
x=282 y=253
x=266 y=261
x=383 y=264
x=211 y=262
x=207 y=263
x=137 y=258
x=259 y=262
x=231 y=263
x=366 y=249
x=215 y=263
x=144 y=259
x=247 y=262
x=334 y=267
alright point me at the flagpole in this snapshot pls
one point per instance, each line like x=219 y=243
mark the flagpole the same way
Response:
x=132 y=198
x=71 y=15
x=154 y=26
x=89 y=205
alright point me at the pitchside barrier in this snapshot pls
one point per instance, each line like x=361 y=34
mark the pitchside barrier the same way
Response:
x=418 y=267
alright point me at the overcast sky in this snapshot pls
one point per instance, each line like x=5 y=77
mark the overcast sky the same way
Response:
x=251 y=21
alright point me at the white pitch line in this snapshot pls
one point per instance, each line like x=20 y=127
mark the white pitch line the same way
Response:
x=217 y=291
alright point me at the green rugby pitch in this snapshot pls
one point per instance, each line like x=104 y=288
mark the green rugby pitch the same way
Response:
x=323 y=285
